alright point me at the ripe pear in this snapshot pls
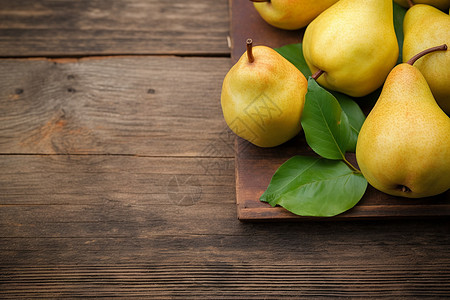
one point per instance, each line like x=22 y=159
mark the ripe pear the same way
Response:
x=425 y=26
x=403 y=147
x=441 y=4
x=263 y=96
x=290 y=14
x=354 y=43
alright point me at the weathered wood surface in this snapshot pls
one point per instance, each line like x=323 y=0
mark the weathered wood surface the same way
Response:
x=117 y=178
x=147 y=105
x=226 y=281
x=94 y=225
x=99 y=27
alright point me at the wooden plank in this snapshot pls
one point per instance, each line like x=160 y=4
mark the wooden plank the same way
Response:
x=255 y=166
x=122 y=196
x=221 y=281
x=102 y=27
x=117 y=225
x=158 y=106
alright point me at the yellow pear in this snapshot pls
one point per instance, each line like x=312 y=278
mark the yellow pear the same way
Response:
x=441 y=4
x=354 y=43
x=263 y=96
x=290 y=14
x=403 y=147
x=425 y=26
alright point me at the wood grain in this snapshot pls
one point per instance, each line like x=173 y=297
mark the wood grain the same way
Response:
x=225 y=282
x=86 y=27
x=158 y=106
x=103 y=225
x=116 y=196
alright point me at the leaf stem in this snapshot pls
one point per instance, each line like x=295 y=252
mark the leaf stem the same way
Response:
x=351 y=166
x=250 y=56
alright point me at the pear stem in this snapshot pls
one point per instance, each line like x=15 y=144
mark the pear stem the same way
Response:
x=413 y=59
x=410 y=3
x=317 y=74
x=250 y=56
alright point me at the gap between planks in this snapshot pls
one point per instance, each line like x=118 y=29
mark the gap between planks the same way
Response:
x=78 y=58
x=119 y=155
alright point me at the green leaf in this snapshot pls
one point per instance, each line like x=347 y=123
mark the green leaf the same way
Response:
x=311 y=186
x=326 y=126
x=355 y=117
x=399 y=15
x=294 y=54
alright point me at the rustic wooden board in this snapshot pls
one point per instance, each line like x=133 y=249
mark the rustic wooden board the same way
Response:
x=255 y=166
x=110 y=226
x=102 y=27
x=116 y=105
x=223 y=281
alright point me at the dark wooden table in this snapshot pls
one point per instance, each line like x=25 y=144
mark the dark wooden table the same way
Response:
x=117 y=171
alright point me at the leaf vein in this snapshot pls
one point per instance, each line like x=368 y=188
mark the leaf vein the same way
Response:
x=330 y=132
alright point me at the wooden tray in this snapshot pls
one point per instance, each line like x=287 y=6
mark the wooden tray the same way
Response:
x=255 y=166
